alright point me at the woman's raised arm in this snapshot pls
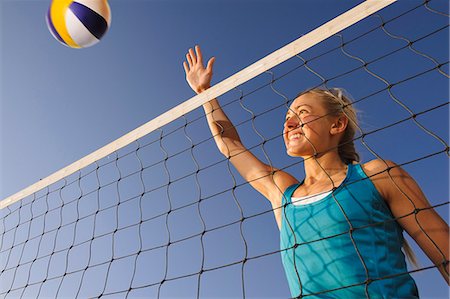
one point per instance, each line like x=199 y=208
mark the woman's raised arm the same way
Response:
x=268 y=181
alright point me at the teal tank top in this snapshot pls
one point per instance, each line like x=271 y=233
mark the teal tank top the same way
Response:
x=346 y=245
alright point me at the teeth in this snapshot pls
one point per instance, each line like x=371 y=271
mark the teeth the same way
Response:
x=296 y=135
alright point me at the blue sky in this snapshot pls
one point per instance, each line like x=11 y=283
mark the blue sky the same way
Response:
x=59 y=104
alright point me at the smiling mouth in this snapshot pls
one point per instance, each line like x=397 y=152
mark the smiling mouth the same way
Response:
x=295 y=136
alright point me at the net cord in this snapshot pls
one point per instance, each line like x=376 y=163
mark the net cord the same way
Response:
x=303 y=43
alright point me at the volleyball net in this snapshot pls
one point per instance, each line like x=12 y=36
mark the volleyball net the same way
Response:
x=160 y=213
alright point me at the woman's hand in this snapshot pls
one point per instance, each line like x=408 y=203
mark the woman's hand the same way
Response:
x=198 y=77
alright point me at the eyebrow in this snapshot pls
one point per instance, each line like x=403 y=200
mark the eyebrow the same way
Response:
x=296 y=107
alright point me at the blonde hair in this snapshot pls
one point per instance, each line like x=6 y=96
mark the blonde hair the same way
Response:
x=337 y=102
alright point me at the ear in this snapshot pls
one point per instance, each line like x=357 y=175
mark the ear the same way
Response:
x=339 y=125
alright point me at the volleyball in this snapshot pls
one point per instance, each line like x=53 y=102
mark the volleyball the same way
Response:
x=80 y=23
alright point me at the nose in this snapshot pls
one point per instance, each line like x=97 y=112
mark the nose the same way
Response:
x=292 y=123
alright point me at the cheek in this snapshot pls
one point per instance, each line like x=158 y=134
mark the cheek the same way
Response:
x=309 y=122
x=310 y=119
x=314 y=125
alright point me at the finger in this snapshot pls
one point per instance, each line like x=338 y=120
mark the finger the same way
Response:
x=199 y=54
x=189 y=59
x=210 y=64
x=186 y=68
x=193 y=57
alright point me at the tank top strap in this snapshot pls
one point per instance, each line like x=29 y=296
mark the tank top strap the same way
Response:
x=288 y=193
x=358 y=169
x=358 y=174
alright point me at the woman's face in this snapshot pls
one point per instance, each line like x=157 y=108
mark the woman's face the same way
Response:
x=307 y=129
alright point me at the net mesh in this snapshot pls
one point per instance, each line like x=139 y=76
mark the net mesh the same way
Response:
x=167 y=216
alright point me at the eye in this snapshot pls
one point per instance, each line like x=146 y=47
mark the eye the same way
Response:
x=302 y=111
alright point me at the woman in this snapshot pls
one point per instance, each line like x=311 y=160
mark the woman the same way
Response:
x=341 y=226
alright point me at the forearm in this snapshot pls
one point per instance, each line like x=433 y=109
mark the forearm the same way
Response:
x=224 y=133
x=441 y=259
x=439 y=251
x=199 y=79
x=432 y=235
x=444 y=272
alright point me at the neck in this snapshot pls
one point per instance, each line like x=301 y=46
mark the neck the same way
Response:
x=323 y=167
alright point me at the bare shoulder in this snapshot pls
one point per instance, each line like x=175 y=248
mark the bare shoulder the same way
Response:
x=378 y=171
x=378 y=167
x=389 y=178
x=282 y=181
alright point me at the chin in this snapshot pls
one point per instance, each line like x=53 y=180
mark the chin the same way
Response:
x=299 y=151
x=293 y=154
